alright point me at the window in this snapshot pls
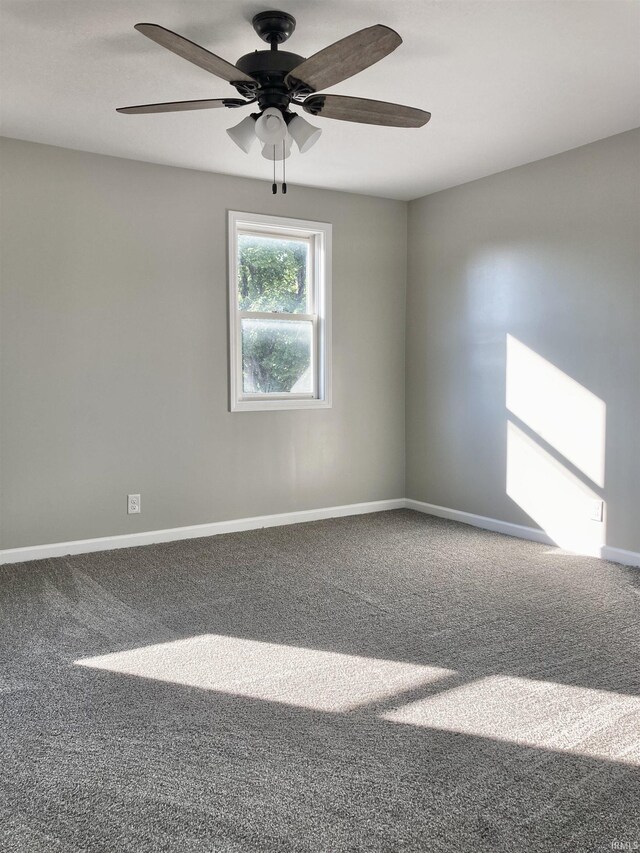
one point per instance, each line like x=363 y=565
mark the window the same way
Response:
x=279 y=304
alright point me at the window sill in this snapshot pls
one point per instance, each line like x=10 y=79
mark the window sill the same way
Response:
x=277 y=405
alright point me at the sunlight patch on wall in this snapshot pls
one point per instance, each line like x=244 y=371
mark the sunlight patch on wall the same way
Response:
x=305 y=678
x=540 y=714
x=572 y=421
x=556 y=407
x=554 y=498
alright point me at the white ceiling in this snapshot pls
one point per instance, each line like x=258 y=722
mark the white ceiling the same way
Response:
x=507 y=82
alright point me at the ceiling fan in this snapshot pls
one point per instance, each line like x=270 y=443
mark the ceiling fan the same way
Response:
x=277 y=79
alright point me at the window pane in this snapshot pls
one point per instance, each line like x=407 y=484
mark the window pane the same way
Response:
x=276 y=356
x=272 y=274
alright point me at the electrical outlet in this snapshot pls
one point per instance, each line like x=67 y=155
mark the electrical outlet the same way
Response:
x=133 y=504
x=597 y=509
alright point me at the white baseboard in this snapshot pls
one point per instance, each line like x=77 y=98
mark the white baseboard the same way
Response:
x=482 y=521
x=619 y=555
x=606 y=552
x=130 y=540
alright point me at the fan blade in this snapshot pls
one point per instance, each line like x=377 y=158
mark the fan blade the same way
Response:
x=365 y=111
x=194 y=53
x=178 y=106
x=344 y=58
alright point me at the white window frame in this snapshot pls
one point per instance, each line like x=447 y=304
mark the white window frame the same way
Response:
x=319 y=236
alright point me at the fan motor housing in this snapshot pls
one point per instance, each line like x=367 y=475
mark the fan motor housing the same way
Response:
x=265 y=63
x=269 y=68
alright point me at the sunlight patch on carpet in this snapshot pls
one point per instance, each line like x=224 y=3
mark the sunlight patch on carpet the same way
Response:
x=541 y=714
x=306 y=678
x=538 y=714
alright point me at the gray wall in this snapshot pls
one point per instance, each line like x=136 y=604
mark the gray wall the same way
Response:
x=550 y=254
x=114 y=352
x=114 y=344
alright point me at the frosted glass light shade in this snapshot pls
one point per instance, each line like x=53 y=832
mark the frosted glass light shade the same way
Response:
x=305 y=134
x=271 y=127
x=244 y=134
x=274 y=152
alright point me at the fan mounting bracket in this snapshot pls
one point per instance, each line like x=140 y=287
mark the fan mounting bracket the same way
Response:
x=299 y=89
x=248 y=89
x=274 y=27
x=314 y=104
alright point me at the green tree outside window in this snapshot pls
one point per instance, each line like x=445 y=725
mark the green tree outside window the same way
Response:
x=272 y=278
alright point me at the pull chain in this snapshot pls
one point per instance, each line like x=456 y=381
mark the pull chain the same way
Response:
x=284 y=170
x=274 y=186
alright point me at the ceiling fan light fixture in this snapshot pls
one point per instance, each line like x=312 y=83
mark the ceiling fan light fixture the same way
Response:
x=305 y=134
x=271 y=127
x=244 y=133
x=274 y=152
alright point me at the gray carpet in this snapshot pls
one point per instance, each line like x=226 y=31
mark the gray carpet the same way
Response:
x=389 y=682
